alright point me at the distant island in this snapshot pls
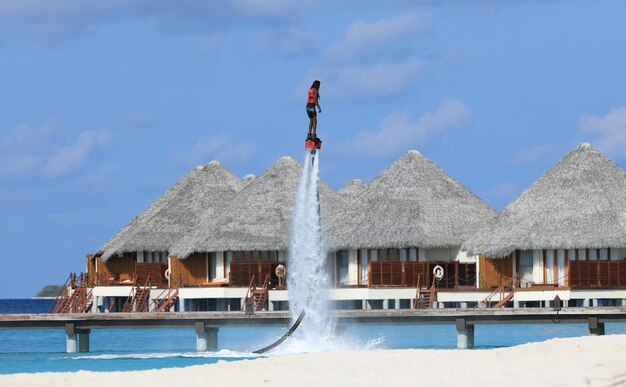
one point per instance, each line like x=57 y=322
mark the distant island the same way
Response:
x=49 y=291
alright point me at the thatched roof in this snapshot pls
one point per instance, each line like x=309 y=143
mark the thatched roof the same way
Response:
x=578 y=203
x=412 y=203
x=352 y=190
x=259 y=217
x=203 y=192
x=247 y=179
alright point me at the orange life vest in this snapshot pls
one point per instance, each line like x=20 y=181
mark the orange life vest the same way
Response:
x=311 y=95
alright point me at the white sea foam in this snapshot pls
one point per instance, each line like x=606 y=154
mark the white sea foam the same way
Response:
x=224 y=353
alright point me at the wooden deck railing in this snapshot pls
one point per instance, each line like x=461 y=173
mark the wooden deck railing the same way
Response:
x=405 y=274
x=597 y=274
x=241 y=273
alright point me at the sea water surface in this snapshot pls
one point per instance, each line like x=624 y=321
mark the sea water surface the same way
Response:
x=141 y=349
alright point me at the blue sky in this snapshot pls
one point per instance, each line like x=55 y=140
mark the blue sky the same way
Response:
x=105 y=104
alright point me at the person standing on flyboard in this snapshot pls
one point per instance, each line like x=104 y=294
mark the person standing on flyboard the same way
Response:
x=311 y=103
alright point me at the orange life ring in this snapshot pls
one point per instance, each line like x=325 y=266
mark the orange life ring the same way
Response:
x=280 y=271
x=168 y=274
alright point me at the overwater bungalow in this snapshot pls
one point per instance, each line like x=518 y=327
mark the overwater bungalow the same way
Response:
x=248 y=241
x=408 y=220
x=565 y=235
x=212 y=239
x=140 y=251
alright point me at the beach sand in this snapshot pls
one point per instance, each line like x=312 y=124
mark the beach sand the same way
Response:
x=582 y=361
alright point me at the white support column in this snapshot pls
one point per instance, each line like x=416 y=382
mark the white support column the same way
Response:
x=397 y=303
x=596 y=328
x=477 y=271
x=464 y=334
x=206 y=338
x=385 y=304
x=71 y=337
x=181 y=304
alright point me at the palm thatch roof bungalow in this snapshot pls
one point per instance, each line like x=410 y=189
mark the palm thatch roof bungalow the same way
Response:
x=566 y=229
x=141 y=247
x=413 y=211
x=251 y=234
x=352 y=190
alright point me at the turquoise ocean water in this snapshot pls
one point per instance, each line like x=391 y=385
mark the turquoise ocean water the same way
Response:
x=140 y=349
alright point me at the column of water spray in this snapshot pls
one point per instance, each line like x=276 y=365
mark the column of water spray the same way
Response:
x=307 y=279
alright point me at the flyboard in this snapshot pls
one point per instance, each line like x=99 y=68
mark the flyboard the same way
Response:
x=311 y=144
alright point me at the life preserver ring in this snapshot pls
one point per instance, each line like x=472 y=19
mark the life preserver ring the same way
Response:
x=168 y=274
x=438 y=272
x=280 y=271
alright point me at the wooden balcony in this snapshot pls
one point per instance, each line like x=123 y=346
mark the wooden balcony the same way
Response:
x=597 y=274
x=456 y=275
x=241 y=273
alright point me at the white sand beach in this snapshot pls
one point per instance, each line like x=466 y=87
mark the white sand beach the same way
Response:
x=583 y=361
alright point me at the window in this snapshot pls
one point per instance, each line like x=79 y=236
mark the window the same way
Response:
x=413 y=254
x=604 y=254
x=403 y=255
x=382 y=253
x=593 y=254
x=342 y=266
x=526 y=267
x=571 y=254
x=582 y=255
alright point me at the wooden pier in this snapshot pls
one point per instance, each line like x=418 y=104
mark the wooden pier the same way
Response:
x=206 y=324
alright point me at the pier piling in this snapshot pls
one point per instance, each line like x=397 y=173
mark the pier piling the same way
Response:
x=464 y=334
x=206 y=338
x=596 y=328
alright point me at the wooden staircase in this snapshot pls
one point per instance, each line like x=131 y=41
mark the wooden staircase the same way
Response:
x=75 y=297
x=505 y=292
x=257 y=298
x=165 y=301
x=424 y=298
x=138 y=298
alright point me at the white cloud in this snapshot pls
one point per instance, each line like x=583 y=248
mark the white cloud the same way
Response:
x=398 y=132
x=608 y=133
x=69 y=18
x=72 y=157
x=366 y=82
x=221 y=147
x=365 y=40
x=286 y=41
x=38 y=150
x=534 y=154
